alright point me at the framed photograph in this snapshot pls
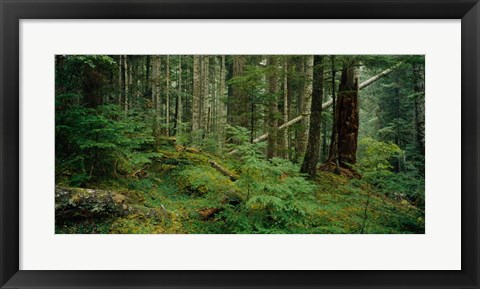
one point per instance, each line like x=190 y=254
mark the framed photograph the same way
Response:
x=239 y=144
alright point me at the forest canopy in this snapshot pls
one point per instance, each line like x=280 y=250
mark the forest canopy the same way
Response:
x=248 y=144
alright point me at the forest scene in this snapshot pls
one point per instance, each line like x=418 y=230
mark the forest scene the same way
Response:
x=239 y=144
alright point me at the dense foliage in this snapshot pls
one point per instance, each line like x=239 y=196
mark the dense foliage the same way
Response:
x=215 y=144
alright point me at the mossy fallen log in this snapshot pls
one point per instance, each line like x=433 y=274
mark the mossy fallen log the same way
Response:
x=80 y=203
x=223 y=170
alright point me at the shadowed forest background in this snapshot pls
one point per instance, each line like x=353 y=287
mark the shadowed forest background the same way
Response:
x=247 y=144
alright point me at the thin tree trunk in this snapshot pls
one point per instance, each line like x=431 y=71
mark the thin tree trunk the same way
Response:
x=306 y=104
x=333 y=151
x=124 y=81
x=196 y=101
x=147 y=91
x=222 y=103
x=178 y=102
x=155 y=97
x=312 y=152
x=187 y=111
x=290 y=107
x=121 y=90
x=299 y=133
x=239 y=100
x=127 y=82
x=272 y=107
x=419 y=89
x=284 y=147
x=167 y=95
x=206 y=96
x=214 y=96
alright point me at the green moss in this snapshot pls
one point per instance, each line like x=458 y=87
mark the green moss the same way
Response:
x=182 y=184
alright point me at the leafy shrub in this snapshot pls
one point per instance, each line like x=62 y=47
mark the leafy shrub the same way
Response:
x=375 y=162
x=102 y=141
x=277 y=198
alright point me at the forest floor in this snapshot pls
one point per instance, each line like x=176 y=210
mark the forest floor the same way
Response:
x=183 y=194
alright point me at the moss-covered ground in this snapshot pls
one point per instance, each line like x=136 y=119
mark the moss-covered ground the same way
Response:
x=198 y=199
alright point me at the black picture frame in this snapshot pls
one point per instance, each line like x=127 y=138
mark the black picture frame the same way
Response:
x=14 y=10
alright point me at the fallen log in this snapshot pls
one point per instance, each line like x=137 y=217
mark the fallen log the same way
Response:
x=80 y=203
x=325 y=105
x=379 y=76
x=180 y=148
x=208 y=213
x=223 y=170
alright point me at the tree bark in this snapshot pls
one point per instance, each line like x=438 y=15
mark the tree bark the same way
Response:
x=306 y=105
x=312 y=152
x=419 y=89
x=348 y=120
x=167 y=95
x=178 y=102
x=121 y=90
x=299 y=133
x=196 y=95
x=239 y=108
x=272 y=107
x=155 y=97
x=147 y=91
x=283 y=143
x=222 y=104
x=124 y=82
x=333 y=150
x=206 y=100
x=127 y=82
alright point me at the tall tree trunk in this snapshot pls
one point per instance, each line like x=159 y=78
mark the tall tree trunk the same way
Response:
x=222 y=103
x=312 y=152
x=178 y=102
x=147 y=91
x=187 y=111
x=272 y=107
x=348 y=119
x=239 y=98
x=283 y=142
x=157 y=82
x=155 y=97
x=127 y=81
x=167 y=95
x=290 y=108
x=214 y=95
x=196 y=96
x=306 y=104
x=206 y=109
x=333 y=151
x=121 y=90
x=299 y=133
x=124 y=81
x=419 y=89
x=397 y=102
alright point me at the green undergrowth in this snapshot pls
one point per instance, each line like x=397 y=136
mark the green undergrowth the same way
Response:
x=192 y=197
